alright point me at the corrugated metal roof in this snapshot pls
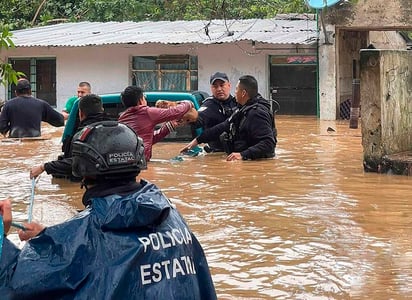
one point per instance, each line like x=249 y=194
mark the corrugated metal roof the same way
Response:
x=274 y=31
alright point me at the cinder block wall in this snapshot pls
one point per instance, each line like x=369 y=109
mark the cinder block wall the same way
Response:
x=386 y=103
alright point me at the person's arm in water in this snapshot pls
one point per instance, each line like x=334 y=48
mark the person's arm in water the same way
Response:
x=208 y=135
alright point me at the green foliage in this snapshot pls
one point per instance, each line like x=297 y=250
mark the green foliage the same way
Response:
x=229 y=9
x=15 y=13
x=28 y=13
x=115 y=10
x=7 y=74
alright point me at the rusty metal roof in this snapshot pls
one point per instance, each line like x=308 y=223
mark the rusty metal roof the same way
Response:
x=273 y=31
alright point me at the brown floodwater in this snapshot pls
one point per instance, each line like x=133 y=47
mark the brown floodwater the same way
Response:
x=308 y=224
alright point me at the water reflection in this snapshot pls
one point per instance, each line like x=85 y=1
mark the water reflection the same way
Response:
x=308 y=224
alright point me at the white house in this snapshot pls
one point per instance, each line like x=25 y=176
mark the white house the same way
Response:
x=180 y=55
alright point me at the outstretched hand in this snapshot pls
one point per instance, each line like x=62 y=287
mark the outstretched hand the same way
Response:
x=189 y=146
x=36 y=171
x=234 y=156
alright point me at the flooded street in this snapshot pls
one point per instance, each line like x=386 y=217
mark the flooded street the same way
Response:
x=308 y=224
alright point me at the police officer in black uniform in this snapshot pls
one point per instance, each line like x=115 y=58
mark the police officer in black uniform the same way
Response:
x=250 y=131
x=216 y=108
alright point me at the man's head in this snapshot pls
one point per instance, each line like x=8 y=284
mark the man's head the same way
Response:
x=84 y=88
x=132 y=95
x=246 y=88
x=220 y=86
x=107 y=150
x=90 y=104
x=23 y=87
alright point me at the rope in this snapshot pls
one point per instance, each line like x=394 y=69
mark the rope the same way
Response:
x=30 y=215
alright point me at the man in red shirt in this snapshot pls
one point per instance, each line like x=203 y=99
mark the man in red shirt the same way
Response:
x=143 y=118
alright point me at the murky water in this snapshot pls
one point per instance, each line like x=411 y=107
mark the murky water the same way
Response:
x=309 y=224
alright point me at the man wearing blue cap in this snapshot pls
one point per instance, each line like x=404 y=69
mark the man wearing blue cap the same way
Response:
x=216 y=108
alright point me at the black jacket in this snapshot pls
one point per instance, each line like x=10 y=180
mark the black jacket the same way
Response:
x=212 y=112
x=250 y=130
x=62 y=167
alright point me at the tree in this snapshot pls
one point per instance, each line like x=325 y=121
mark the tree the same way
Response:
x=7 y=73
x=28 y=13
x=230 y=9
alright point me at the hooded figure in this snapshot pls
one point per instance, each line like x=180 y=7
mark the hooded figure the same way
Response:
x=129 y=243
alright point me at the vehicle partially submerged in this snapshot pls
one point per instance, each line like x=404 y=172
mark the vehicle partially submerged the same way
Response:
x=113 y=106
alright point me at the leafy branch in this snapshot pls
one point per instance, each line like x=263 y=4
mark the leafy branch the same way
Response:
x=7 y=73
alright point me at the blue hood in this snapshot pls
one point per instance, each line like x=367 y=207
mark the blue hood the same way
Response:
x=146 y=207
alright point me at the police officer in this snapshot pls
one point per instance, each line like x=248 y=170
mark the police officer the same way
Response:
x=250 y=131
x=129 y=242
x=217 y=108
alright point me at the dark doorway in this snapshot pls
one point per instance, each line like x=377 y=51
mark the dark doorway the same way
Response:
x=294 y=87
x=42 y=74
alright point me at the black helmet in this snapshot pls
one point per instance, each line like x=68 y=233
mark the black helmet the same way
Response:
x=107 y=148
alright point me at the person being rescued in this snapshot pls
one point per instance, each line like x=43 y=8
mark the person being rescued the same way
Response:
x=143 y=118
x=250 y=132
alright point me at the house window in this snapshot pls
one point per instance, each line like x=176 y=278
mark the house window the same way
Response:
x=42 y=75
x=165 y=72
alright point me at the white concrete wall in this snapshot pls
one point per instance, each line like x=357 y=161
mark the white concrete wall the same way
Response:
x=327 y=76
x=107 y=68
x=235 y=64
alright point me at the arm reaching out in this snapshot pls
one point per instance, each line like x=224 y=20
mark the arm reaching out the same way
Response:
x=189 y=146
x=36 y=171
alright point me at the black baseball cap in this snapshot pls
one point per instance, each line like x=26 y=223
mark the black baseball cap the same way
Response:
x=219 y=76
